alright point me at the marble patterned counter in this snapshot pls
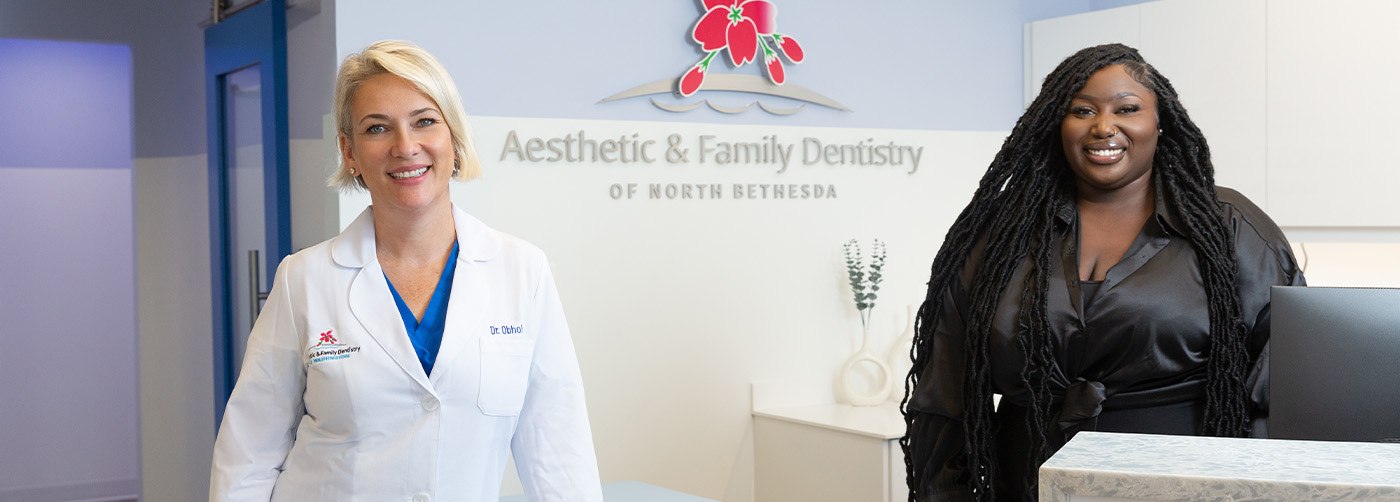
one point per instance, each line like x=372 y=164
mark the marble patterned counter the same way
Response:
x=1108 y=466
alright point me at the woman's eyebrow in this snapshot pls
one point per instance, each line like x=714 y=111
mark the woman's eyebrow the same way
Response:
x=380 y=116
x=1121 y=95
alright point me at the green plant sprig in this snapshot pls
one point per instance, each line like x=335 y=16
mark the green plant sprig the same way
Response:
x=860 y=280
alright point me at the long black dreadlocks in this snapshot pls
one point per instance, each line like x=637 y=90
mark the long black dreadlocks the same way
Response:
x=1013 y=210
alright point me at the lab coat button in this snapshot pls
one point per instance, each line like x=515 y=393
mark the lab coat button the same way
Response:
x=422 y=497
x=430 y=403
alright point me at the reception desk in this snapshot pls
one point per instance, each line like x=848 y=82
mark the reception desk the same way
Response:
x=1103 y=467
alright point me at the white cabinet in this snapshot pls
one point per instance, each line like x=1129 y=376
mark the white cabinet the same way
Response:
x=1334 y=112
x=829 y=452
x=1296 y=97
x=1050 y=41
x=1214 y=53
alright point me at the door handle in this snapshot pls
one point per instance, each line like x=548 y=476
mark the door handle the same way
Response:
x=255 y=293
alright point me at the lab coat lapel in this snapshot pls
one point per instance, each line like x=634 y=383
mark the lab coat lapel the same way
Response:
x=470 y=306
x=370 y=300
x=467 y=315
x=373 y=305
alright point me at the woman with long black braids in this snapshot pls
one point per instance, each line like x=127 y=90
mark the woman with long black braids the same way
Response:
x=1098 y=280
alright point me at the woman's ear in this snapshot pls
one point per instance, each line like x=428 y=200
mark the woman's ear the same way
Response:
x=345 y=148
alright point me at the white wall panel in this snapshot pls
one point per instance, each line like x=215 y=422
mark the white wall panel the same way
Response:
x=1050 y=41
x=1213 y=53
x=1333 y=72
x=176 y=340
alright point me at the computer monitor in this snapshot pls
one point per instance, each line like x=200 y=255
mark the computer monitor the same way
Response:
x=1335 y=364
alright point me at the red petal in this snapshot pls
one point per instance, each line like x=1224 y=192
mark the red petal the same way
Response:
x=792 y=49
x=710 y=4
x=692 y=80
x=763 y=14
x=743 y=42
x=709 y=31
x=775 y=70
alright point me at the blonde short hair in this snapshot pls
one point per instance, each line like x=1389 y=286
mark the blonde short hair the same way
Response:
x=412 y=63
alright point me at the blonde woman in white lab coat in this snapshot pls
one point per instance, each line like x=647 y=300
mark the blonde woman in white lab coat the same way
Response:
x=403 y=359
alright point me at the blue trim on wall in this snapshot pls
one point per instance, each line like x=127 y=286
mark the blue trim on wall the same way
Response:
x=255 y=36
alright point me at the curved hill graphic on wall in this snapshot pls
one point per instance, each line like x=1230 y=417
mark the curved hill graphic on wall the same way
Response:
x=741 y=30
x=753 y=84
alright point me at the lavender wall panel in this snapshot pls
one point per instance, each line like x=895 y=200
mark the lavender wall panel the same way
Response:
x=68 y=364
x=65 y=104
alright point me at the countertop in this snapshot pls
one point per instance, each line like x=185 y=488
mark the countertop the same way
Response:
x=1155 y=467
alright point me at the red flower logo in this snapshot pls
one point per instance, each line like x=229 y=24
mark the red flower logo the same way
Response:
x=327 y=337
x=740 y=27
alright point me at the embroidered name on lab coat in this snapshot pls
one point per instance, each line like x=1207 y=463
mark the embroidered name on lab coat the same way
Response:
x=507 y=329
x=327 y=348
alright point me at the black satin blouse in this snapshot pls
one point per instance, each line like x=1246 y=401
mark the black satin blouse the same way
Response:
x=1133 y=360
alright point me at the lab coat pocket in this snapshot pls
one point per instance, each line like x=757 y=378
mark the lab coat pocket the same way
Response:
x=505 y=374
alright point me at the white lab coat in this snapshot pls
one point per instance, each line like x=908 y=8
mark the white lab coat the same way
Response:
x=333 y=405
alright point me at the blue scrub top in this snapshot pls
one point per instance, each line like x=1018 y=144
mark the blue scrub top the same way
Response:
x=427 y=335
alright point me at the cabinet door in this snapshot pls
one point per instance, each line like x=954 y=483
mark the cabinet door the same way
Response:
x=1050 y=41
x=796 y=461
x=895 y=470
x=1333 y=110
x=1213 y=53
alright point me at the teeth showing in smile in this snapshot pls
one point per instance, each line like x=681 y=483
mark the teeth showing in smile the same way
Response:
x=1106 y=153
x=409 y=174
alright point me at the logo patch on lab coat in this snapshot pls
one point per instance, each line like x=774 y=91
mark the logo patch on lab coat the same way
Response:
x=507 y=329
x=327 y=349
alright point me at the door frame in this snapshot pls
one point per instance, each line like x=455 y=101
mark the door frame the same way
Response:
x=256 y=35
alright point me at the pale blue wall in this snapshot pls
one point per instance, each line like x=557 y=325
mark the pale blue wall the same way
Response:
x=1036 y=10
x=968 y=53
x=945 y=64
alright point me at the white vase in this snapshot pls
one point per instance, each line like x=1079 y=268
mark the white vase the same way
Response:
x=876 y=394
x=898 y=357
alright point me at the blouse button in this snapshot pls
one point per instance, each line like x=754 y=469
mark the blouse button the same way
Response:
x=430 y=403
x=422 y=497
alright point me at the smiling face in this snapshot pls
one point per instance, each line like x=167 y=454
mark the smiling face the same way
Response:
x=1109 y=133
x=398 y=145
